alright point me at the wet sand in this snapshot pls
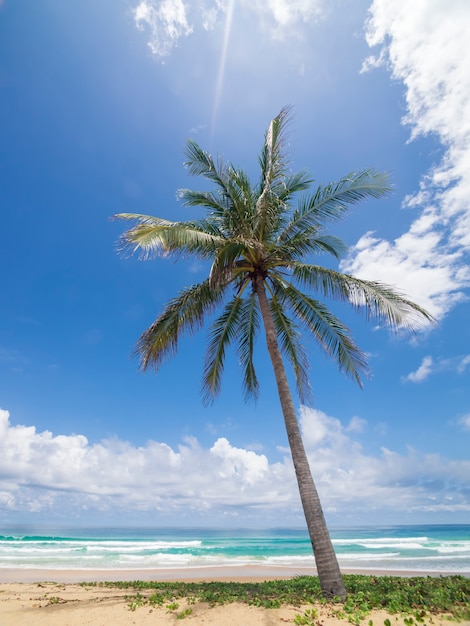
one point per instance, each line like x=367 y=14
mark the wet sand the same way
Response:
x=223 y=573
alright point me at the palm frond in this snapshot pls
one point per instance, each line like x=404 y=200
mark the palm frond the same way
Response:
x=222 y=332
x=186 y=312
x=224 y=261
x=201 y=163
x=273 y=167
x=302 y=244
x=232 y=203
x=294 y=183
x=328 y=331
x=272 y=159
x=207 y=199
x=144 y=219
x=239 y=219
x=248 y=328
x=291 y=346
x=330 y=244
x=330 y=202
x=153 y=236
x=378 y=301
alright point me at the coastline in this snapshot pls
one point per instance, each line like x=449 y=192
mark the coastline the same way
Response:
x=49 y=568
x=226 y=573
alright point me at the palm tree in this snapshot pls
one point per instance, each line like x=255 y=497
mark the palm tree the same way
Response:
x=259 y=245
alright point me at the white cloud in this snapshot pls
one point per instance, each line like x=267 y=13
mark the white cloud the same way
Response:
x=423 y=371
x=282 y=15
x=458 y=364
x=350 y=479
x=39 y=470
x=244 y=465
x=418 y=263
x=424 y=44
x=464 y=422
x=431 y=366
x=357 y=425
x=43 y=473
x=166 y=21
x=462 y=363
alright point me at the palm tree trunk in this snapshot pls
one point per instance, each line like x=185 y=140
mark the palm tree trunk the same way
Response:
x=331 y=581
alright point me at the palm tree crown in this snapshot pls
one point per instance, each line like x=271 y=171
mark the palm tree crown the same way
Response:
x=253 y=231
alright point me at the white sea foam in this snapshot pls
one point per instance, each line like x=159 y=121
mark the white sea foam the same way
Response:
x=429 y=550
x=399 y=545
x=464 y=546
x=355 y=556
x=141 y=546
x=387 y=541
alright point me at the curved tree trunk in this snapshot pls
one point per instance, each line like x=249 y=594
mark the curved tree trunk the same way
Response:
x=331 y=581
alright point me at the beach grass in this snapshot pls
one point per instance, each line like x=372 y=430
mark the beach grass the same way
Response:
x=416 y=598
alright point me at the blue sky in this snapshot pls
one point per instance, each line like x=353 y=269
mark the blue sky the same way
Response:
x=97 y=101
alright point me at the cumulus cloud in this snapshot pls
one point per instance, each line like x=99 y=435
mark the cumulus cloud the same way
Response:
x=430 y=366
x=464 y=422
x=42 y=472
x=37 y=469
x=424 y=45
x=423 y=371
x=349 y=479
x=166 y=21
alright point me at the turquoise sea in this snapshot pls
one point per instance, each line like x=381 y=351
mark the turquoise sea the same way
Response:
x=393 y=548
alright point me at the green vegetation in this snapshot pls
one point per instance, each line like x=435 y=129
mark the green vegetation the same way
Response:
x=309 y=618
x=415 y=598
x=55 y=600
x=184 y=613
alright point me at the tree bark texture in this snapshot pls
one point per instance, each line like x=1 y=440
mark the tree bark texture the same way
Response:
x=331 y=581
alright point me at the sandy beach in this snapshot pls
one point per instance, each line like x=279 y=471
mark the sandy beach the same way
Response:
x=55 y=598
x=57 y=604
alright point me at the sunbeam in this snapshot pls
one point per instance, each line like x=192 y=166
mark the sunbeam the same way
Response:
x=223 y=60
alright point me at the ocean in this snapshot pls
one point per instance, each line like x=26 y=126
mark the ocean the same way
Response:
x=444 y=548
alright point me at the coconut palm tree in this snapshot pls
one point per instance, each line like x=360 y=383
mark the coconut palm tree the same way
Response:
x=260 y=247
